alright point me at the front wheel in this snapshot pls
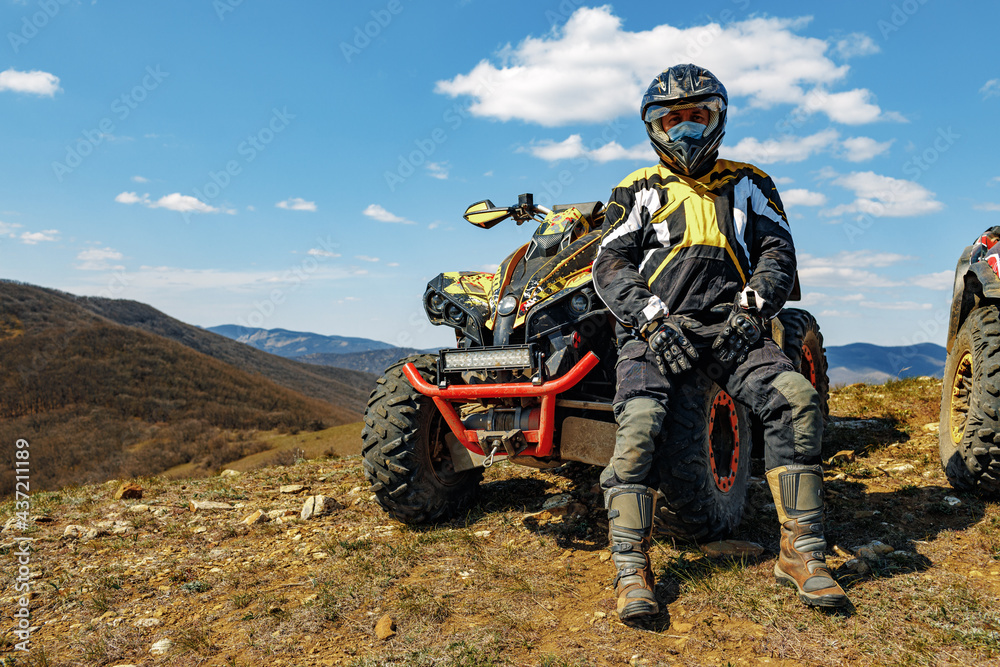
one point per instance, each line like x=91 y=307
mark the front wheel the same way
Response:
x=970 y=393
x=704 y=467
x=406 y=458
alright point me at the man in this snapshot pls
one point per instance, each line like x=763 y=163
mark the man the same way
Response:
x=696 y=257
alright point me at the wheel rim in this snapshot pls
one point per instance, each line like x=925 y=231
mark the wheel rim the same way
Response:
x=808 y=364
x=724 y=441
x=960 y=388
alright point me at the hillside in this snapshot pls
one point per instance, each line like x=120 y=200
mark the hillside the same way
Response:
x=286 y=343
x=346 y=388
x=99 y=399
x=509 y=583
x=873 y=364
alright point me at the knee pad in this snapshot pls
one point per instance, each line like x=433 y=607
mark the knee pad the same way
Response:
x=807 y=416
x=640 y=421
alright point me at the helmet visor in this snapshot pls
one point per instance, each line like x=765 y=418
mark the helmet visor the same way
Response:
x=713 y=105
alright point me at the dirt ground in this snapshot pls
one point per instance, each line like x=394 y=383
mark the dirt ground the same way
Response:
x=509 y=583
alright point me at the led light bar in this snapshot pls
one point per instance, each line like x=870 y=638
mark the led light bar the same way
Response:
x=506 y=358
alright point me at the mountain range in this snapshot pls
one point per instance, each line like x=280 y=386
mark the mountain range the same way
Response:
x=874 y=364
x=285 y=343
x=848 y=364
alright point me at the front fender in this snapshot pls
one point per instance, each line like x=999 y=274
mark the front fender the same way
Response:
x=973 y=281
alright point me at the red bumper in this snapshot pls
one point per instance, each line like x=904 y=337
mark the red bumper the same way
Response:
x=547 y=391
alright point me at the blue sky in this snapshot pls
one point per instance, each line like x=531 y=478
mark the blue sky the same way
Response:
x=305 y=165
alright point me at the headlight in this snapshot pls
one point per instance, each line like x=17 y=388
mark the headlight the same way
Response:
x=579 y=304
x=507 y=305
x=455 y=314
x=436 y=303
x=506 y=358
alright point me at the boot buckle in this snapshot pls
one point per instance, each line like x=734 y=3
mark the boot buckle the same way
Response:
x=627 y=572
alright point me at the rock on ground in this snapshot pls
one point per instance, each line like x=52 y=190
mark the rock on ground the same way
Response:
x=318 y=506
x=128 y=491
x=208 y=506
x=385 y=628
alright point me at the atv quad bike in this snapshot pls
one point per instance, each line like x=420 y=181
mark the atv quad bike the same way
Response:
x=970 y=396
x=531 y=380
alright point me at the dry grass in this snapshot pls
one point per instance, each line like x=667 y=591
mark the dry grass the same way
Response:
x=497 y=588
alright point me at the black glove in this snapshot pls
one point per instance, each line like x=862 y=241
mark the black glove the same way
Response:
x=672 y=350
x=743 y=331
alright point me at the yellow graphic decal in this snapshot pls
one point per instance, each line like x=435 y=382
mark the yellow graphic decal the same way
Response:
x=557 y=223
x=701 y=224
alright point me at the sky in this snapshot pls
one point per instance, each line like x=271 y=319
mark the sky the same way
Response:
x=304 y=165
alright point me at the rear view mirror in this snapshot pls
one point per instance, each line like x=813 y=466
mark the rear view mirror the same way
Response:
x=484 y=214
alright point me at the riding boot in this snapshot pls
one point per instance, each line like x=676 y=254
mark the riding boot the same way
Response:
x=798 y=496
x=630 y=523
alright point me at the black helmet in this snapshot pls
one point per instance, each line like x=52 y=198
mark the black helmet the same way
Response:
x=684 y=87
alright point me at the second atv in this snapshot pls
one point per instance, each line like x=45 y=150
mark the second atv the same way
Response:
x=970 y=422
x=531 y=379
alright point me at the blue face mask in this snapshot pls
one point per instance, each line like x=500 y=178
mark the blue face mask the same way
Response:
x=688 y=128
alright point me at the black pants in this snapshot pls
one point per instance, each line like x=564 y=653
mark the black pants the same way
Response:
x=765 y=383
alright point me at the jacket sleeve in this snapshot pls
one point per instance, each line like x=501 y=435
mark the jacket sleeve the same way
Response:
x=617 y=280
x=772 y=253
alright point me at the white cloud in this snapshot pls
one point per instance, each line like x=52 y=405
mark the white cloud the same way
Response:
x=140 y=179
x=848 y=269
x=172 y=202
x=438 y=170
x=32 y=83
x=785 y=149
x=392 y=264
x=572 y=147
x=98 y=259
x=185 y=204
x=171 y=279
x=377 y=212
x=761 y=60
x=33 y=238
x=851 y=107
x=782 y=180
x=884 y=196
x=990 y=89
x=855 y=44
x=810 y=299
x=896 y=305
x=132 y=198
x=297 y=204
x=987 y=206
x=832 y=276
x=316 y=252
x=434 y=225
x=802 y=197
x=7 y=229
x=942 y=280
x=366 y=258
x=839 y=314
x=859 y=149
x=855 y=259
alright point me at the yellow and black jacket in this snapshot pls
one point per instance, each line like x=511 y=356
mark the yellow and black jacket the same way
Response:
x=675 y=244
